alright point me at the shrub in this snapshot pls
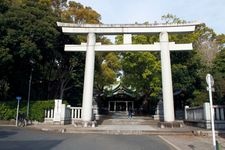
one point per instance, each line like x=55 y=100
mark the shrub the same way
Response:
x=6 y=112
x=8 y=109
x=37 y=109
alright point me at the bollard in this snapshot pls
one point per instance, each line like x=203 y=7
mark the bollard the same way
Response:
x=218 y=147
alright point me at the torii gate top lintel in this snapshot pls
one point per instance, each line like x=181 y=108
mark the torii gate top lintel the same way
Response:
x=126 y=28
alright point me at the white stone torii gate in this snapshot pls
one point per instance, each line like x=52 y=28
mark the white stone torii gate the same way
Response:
x=164 y=46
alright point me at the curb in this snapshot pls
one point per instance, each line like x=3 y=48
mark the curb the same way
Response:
x=7 y=125
x=71 y=129
x=114 y=132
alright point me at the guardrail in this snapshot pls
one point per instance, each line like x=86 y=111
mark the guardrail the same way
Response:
x=71 y=113
x=219 y=112
x=76 y=113
x=200 y=116
x=49 y=113
x=195 y=113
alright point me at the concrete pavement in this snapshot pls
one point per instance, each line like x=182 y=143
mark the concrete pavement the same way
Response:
x=186 y=138
x=12 y=138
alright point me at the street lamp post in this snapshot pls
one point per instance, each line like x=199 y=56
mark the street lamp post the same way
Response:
x=29 y=89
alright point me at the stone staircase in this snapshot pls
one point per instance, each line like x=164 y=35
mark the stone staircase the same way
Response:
x=122 y=119
x=118 y=123
x=134 y=121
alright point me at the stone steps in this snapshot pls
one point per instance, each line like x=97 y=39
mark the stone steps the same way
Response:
x=126 y=121
x=130 y=129
x=121 y=118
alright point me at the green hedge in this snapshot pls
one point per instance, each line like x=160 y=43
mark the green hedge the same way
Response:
x=8 y=109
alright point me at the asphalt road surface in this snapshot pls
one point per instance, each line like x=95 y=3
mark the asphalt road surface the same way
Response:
x=12 y=138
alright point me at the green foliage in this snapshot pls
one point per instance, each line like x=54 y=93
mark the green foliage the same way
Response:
x=145 y=39
x=142 y=72
x=4 y=5
x=199 y=98
x=181 y=77
x=29 y=32
x=107 y=67
x=80 y=13
x=218 y=73
x=8 y=109
x=170 y=18
x=37 y=109
x=219 y=62
x=189 y=68
x=4 y=87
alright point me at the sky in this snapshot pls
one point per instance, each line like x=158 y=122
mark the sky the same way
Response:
x=210 y=12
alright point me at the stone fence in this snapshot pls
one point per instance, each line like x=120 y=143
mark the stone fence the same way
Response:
x=62 y=114
x=200 y=116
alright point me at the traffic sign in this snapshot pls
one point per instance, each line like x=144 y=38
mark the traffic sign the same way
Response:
x=212 y=89
x=18 y=98
x=209 y=80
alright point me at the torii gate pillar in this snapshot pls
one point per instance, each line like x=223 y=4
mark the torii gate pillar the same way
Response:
x=88 y=79
x=167 y=86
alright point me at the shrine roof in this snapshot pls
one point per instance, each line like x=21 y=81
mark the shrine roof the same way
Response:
x=120 y=89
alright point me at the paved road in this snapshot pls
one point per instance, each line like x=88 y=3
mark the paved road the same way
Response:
x=12 y=138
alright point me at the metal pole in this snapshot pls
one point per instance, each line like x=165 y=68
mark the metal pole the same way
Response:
x=17 y=112
x=212 y=116
x=28 y=97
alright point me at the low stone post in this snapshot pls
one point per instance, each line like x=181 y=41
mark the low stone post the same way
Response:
x=206 y=110
x=159 y=111
x=57 y=111
x=61 y=113
x=185 y=112
x=207 y=116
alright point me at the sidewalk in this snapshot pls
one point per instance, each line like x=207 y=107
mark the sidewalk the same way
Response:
x=193 y=142
x=186 y=138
